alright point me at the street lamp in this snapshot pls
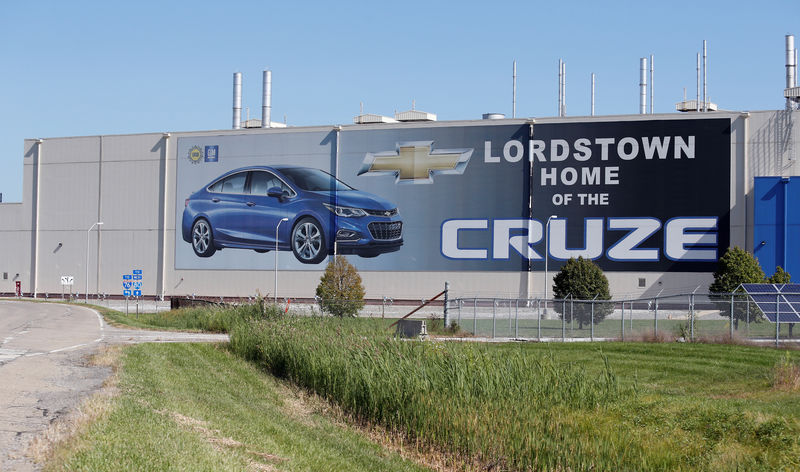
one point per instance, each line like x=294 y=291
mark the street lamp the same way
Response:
x=546 y=257
x=98 y=223
x=276 y=258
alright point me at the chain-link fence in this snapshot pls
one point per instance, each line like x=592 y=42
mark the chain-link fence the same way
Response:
x=689 y=317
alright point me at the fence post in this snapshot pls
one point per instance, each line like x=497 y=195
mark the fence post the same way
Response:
x=446 y=300
x=509 y=317
x=564 y=320
x=731 y=319
x=539 y=319
x=475 y=316
x=383 y=307
x=494 y=316
x=691 y=315
x=655 y=317
x=777 y=319
x=591 y=335
x=459 y=312
x=622 y=321
x=571 y=317
x=747 y=326
x=516 y=319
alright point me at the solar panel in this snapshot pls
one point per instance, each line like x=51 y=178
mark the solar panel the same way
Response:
x=779 y=303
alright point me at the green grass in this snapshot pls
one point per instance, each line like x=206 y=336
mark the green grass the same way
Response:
x=529 y=328
x=199 y=407
x=608 y=406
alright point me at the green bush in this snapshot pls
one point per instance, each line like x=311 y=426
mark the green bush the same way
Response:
x=340 y=290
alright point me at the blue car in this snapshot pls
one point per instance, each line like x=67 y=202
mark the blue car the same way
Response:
x=244 y=209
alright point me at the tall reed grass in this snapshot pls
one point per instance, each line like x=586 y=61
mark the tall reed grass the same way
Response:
x=512 y=409
x=217 y=319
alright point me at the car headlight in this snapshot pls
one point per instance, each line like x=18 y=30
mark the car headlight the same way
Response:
x=346 y=212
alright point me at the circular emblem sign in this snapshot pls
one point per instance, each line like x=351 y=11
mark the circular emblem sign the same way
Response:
x=195 y=154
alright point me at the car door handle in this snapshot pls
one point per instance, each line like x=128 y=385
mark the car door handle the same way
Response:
x=250 y=204
x=215 y=200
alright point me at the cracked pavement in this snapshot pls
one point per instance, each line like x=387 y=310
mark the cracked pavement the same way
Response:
x=44 y=369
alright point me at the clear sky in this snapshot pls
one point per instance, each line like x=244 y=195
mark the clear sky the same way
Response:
x=77 y=68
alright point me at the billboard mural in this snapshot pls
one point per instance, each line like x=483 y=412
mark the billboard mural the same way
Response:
x=631 y=195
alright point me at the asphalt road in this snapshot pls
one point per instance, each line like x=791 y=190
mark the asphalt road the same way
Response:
x=44 y=370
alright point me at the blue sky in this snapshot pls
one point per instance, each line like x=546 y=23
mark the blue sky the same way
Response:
x=87 y=68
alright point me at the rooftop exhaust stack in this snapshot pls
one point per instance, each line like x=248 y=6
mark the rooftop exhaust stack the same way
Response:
x=562 y=88
x=237 y=100
x=705 y=76
x=642 y=85
x=266 y=100
x=698 y=83
x=652 y=83
x=514 y=92
x=560 y=92
x=791 y=69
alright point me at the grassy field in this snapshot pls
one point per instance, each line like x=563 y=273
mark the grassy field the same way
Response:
x=600 y=406
x=529 y=328
x=607 y=406
x=199 y=407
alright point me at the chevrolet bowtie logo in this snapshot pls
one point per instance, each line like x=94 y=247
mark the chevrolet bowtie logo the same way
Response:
x=415 y=162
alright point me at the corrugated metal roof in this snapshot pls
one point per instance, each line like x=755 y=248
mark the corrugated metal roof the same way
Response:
x=415 y=115
x=372 y=118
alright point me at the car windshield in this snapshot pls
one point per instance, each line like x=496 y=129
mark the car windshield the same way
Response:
x=314 y=180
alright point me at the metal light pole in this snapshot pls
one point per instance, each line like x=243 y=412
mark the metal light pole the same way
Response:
x=276 y=257
x=98 y=223
x=546 y=258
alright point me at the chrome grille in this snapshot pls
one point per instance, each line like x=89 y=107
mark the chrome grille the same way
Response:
x=386 y=231
x=391 y=212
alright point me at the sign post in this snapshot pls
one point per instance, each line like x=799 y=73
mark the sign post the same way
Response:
x=132 y=287
x=66 y=280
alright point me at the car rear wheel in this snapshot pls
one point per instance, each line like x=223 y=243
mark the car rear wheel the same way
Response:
x=308 y=242
x=202 y=239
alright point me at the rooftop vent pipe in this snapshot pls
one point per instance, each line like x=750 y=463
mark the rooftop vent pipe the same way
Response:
x=237 y=100
x=791 y=68
x=705 y=76
x=266 y=100
x=642 y=85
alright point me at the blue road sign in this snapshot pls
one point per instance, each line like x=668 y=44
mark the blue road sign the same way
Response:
x=137 y=272
x=137 y=293
x=126 y=293
x=127 y=277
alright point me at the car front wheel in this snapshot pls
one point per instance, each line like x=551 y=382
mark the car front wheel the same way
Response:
x=308 y=242
x=202 y=239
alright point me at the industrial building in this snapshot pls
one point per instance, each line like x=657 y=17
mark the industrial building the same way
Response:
x=493 y=206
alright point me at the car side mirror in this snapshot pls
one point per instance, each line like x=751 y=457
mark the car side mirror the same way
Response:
x=277 y=192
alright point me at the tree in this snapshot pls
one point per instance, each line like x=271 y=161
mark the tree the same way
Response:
x=340 y=290
x=583 y=280
x=734 y=268
x=781 y=277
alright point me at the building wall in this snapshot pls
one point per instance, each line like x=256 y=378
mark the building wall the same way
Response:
x=128 y=183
